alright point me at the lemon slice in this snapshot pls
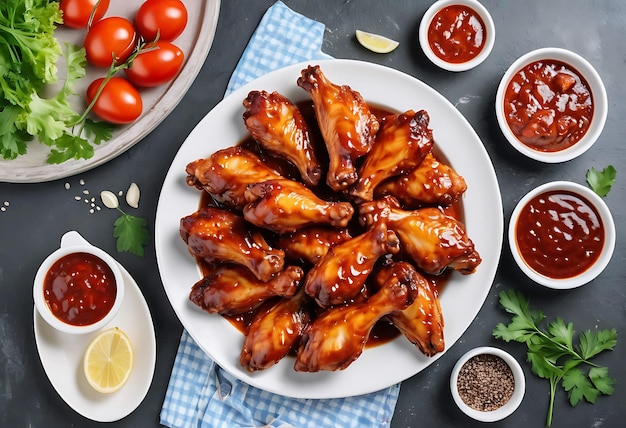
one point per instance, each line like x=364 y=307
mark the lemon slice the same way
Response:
x=375 y=42
x=108 y=360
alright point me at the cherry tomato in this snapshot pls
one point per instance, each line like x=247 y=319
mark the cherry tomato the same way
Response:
x=119 y=102
x=168 y=18
x=76 y=13
x=113 y=36
x=157 y=65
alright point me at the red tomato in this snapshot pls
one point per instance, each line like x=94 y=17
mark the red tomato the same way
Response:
x=166 y=17
x=157 y=65
x=119 y=102
x=113 y=36
x=76 y=13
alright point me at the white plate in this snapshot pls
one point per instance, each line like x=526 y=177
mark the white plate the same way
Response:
x=380 y=366
x=61 y=355
x=158 y=102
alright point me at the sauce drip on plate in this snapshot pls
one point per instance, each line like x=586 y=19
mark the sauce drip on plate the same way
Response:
x=80 y=289
x=548 y=105
x=457 y=34
x=559 y=234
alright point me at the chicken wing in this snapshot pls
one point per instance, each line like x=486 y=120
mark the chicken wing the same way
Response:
x=433 y=240
x=337 y=337
x=226 y=174
x=279 y=127
x=218 y=235
x=285 y=206
x=347 y=125
x=401 y=144
x=340 y=275
x=233 y=289
x=274 y=332
x=422 y=322
x=431 y=183
x=312 y=243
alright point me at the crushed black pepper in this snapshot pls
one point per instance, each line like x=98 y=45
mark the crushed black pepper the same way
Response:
x=485 y=382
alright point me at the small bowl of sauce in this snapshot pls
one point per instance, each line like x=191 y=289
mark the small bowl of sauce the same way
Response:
x=457 y=35
x=487 y=384
x=551 y=105
x=78 y=288
x=562 y=235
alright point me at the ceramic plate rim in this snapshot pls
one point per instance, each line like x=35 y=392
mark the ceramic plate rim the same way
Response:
x=221 y=341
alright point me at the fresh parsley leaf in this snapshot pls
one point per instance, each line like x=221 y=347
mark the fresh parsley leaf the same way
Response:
x=578 y=386
x=70 y=147
x=98 y=132
x=599 y=376
x=601 y=181
x=553 y=353
x=131 y=233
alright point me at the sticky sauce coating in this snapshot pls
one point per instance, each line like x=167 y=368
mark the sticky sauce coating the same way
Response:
x=559 y=234
x=457 y=34
x=548 y=105
x=80 y=289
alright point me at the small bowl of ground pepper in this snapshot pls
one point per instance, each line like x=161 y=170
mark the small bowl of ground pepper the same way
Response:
x=487 y=384
x=457 y=35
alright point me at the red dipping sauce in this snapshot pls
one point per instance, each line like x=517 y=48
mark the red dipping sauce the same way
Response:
x=80 y=289
x=559 y=234
x=457 y=34
x=548 y=105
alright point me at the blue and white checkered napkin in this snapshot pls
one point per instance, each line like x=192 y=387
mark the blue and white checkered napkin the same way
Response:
x=283 y=37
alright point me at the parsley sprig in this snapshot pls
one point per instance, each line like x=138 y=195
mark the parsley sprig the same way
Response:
x=131 y=232
x=554 y=356
x=601 y=181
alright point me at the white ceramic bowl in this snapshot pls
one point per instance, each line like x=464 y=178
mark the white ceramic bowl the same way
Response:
x=490 y=34
x=72 y=242
x=510 y=406
x=598 y=93
x=609 y=236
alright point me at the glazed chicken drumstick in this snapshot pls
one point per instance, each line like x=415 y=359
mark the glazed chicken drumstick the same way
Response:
x=312 y=243
x=233 y=289
x=226 y=174
x=340 y=275
x=431 y=183
x=274 y=331
x=279 y=127
x=422 y=322
x=285 y=205
x=218 y=235
x=401 y=144
x=337 y=337
x=347 y=125
x=433 y=240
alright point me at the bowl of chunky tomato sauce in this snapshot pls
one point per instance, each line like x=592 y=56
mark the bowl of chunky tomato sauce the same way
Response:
x=457 y=35
x=78 y=288
x=562 y=235
x=551 y=105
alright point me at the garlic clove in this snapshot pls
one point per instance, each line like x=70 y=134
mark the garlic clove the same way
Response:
x=132 y=195
x=109 y=199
